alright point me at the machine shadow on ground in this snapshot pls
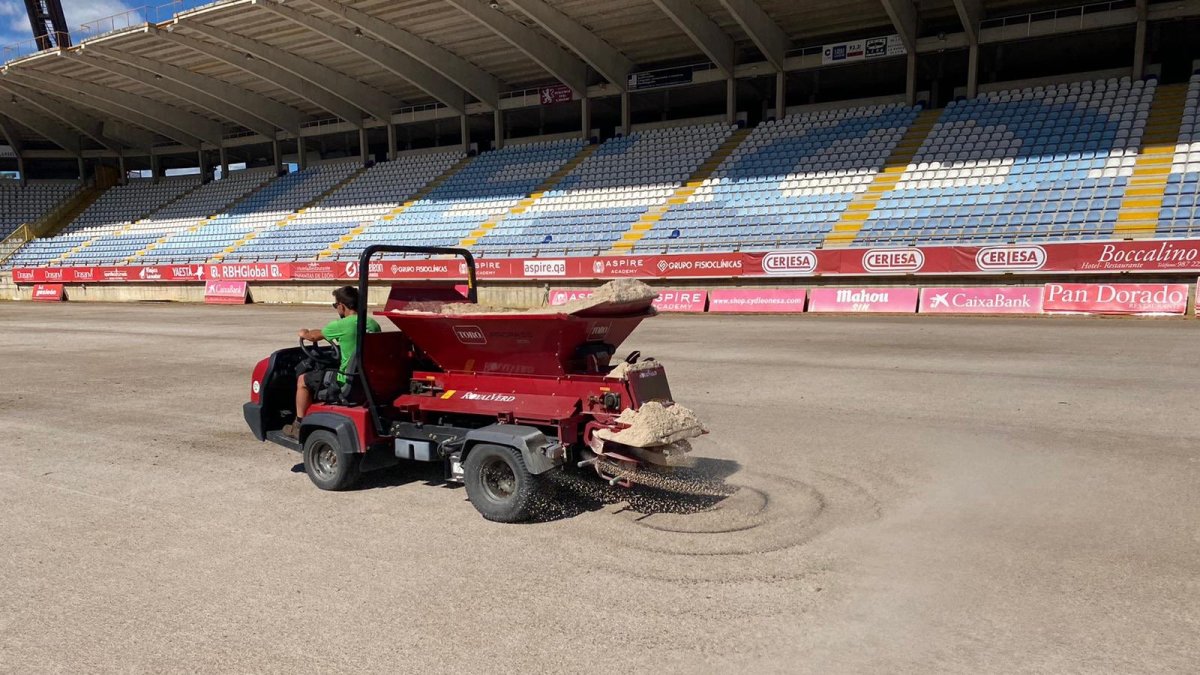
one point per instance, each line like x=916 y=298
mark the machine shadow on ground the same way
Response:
x=683 y=490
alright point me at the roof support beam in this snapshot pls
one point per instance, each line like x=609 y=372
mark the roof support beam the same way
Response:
x=564 y=67
x=762 y=29
x=213 y=104
x=703 y=31
x=191 y=125
x=903 y=14
x=52 y=131
x=10 y=136
x=390 y=58
x=269 y=72
x=86 y=124
x=970 y=13
x=479 y=83
x=603 y=57
x=126 y=110
x=368 y=99
x=277 y=114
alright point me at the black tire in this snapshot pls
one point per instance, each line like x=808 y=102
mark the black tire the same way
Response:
x=327 y=467
x=499 y=485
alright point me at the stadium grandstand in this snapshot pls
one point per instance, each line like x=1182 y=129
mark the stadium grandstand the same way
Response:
x=258 y=130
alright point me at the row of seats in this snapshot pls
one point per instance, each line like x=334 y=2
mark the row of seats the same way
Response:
x=1040 y=163
x=1055 y=166
x=26 y=204
x=261 y=210
x=124 y=243
x=612 y=188
x=1179 y=216
x=485 y=188
x=370 y=197
x=787 y=181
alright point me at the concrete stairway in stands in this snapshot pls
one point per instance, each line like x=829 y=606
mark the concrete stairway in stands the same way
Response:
x=283 y=222
x=394 y=213
x=646 y=222
x=1142 y=203
x=523 y=205
x=846 y=230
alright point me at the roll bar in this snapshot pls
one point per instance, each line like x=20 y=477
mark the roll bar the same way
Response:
x=364 y=277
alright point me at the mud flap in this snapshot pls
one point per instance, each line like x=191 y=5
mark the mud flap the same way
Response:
x=541 y=453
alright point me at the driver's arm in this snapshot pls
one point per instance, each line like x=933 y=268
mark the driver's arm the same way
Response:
x=311 y=335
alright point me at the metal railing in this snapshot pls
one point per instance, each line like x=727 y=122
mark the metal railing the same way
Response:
x=1079 y=11
x=130 y=18
x=13 y=242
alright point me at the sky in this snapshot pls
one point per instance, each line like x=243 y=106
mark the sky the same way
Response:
x=14 y=23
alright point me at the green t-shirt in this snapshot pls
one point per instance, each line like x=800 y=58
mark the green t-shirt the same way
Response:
x=344 y=333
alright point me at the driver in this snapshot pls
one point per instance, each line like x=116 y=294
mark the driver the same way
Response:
x=341 y=332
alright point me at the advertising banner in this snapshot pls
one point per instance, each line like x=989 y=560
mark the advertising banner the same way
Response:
x=981 y=300
x=48 y=293
x=559 y=93
x=673 y=300
x=250 y=271
x=561 y=296
x=1116 y=298
x=1172 y=256
x=851 y=300
x=756 y=300
x=226 y=292
x=860 y=50
x=665 y=77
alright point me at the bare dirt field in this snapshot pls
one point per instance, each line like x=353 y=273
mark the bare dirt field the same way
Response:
x=906 y=495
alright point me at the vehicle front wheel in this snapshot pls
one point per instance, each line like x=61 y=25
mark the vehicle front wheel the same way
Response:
x=499 y=485
x=326 y=466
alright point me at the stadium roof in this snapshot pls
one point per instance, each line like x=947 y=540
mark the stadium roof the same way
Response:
x=267 y=69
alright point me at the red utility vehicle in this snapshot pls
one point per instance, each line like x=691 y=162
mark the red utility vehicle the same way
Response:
x=500 y=399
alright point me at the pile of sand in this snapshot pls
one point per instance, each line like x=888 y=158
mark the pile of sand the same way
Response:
x=618 y=291
x=654 y=425
x=622 y=370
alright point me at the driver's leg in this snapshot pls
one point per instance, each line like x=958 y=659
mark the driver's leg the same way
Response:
x=304 y=397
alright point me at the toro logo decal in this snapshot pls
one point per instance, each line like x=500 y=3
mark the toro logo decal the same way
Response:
x=790 y=262
x=1014 y=258
x=893 y=260
x=598 y=331
x=470 y=335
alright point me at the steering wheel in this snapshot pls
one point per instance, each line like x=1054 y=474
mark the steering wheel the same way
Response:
x=329 y=355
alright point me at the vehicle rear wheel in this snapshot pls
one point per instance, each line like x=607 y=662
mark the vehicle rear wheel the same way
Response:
x=326 y=465
x=499 y=485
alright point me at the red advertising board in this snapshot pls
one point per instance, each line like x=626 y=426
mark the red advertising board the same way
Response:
x=226 y=292
x=889 y=300
x=249 y=271
x=756 y=300
x=561 y=296
x=48 y=293
x=1116 y=298
x=668 y=300
x=981 y=300
x=559 y=93
x=674 y=300
x=1090 y=257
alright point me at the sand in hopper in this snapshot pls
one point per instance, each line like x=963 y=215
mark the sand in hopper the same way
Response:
x=622 y=370
x=618 y=291
x=655 y=425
